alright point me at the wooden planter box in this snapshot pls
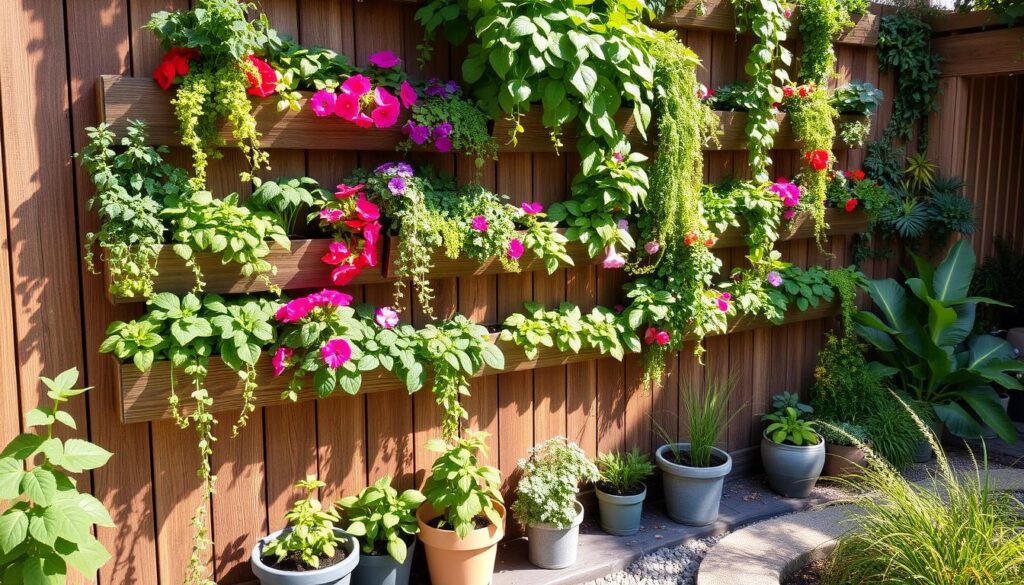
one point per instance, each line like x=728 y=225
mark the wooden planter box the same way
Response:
x=143 y=396
x=121 y=99
x=301 y=267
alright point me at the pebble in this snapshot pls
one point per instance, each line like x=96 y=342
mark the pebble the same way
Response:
x=668 y=566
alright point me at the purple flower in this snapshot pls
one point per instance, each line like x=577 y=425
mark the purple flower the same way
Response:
x=322 y=103
x=384 y=60
x=443 y=130
x=623 y=225
x=418 y=133
x=404 y=169
x=652 y=247
x=435 y=88
x=480 y=223
x=386 y=317
x=384 y=168
x=452 y=88
x=618 y=157
x=443 y=144
x=397 y=186
x=774 y=279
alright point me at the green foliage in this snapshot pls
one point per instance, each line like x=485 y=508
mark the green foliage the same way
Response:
x=567 y=329
x=884 y=163
x=550 y=480
x=708 y=416
x=381 y=518
x=623 y=473
x=858 y=98
x=765 y=64
x=904 y=47
x=813 y=125
x=1009 y=11
x=923 y=340
x=459 y=487
x=471 y=135
x=285 y=199
x=46 y=527
x=130 y=190
x=1001 y=277
x=854 y=134
x=310 y=536
x=820 y=22
x=842 y=433
x=786 y=424
x=894 y=434
x=901 y=531
x=804 y=288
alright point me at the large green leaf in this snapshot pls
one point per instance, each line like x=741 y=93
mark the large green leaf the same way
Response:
x=925 y=272
x=956 y=333
x=940 y=317
x=984 y=401
x=86 y=557
x=957 y=420
x=987 y=347
x=952 y=278
x=39 y=485
x=995 y=371
x=882 y=341
x=82 y=455
x=13 y=529
x=891 y=300
x=11 y=472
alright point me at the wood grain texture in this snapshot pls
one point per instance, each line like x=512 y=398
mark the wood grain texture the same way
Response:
x=996 y=52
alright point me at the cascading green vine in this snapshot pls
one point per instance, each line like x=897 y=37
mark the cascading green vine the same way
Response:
x=904 y=47
x=820 y=22
x=765 y=64
x=813 y=119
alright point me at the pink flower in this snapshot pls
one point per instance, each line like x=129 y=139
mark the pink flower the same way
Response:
x=515 y=249
x=650 y=335
x=337 y=252
x=789 y=214
x=366 y=209
x=774 y=279
x=480 y=223
x=652 y=247
x=386 y=317
x=294 y=310
x=618 y=157
x=532 y=208
x=443 y=144
x=386 y=113
x=330 y=297
x=264 y=83
x=363 y=121
x=346 y=106
x=613 y=259
x=788 y=13
x=788 y=192
x=371 y=233
x=331 y=215
x=619 y=308
x=702 y=91
x=407 y=95
x=384 y=60
x=336 y=352
x=323 y=103
x=344 y=191
x=280 y=361
x=346 y=273
x=723 y=302
x=357 y=85
x=623 y=225
x=662 y=338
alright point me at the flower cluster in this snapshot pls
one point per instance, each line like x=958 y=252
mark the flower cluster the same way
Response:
x=356 y=223
x=789 y=193
x=652 y=336
x=818 y=159
x=335 y=351
x=421 y=134
x=359 y=102
x=174 y=65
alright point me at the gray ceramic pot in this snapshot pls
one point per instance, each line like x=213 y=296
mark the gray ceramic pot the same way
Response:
x=620 y=515
x=339 y=574
x=384 y=570
x=692 y=494
x=555 y=547
x=792 y=470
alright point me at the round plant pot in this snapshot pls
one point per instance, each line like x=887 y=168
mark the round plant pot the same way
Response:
x=843 y=460
x=384 y=570
x=692 y=494
x=459 y=561
x=555 y=547
x=924 y=452
x=792 y=469
x=339 y=574
x=620 y=515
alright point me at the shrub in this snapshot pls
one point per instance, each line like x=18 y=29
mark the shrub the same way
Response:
x=787 y=423
x=624 y=473
x=550 y=482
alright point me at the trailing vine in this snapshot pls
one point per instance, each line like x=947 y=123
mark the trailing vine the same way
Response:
x=820 y=22
x=766 y=19
x=813 y=124
x=904 y=47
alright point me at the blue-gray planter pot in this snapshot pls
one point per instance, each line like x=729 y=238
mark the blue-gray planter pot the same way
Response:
x=555 y=547
x=620 y=515
x=792 y=469
x=339 y=574
x=692 y=494
x=384 y=570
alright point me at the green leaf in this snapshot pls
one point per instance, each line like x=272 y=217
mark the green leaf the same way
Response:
x=45 y=569
x=953 y=277
x=39 y=485
x=66 y=418
x=87 y=557
x=23 y=446
x=522 y=26
x=13 y=529
x=984 y=401
x=492 y=356
x=82 y=455
x=985 y=348
x=38 y=418
x=10 y=478
x=584 y=79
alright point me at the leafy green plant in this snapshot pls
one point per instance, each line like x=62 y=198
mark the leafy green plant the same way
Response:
x=459 y=487
x=842 y=433
x=1001 y=277
x=820 y=22
x=856 y=98
x=47 y=524
x=854 y=134
x=812 y=118
x=804 y=288
x=707 y=417
x=469 y=135
x=381 y=518
x=568 y=329
x=786 y=423
x=623 y=474
x=923 y=340
x=309 y=538
x=904 y=47
x=130 y=190
x=286 y=199
x=550 y=482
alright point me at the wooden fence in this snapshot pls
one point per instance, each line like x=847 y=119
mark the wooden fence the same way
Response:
x=53 y=312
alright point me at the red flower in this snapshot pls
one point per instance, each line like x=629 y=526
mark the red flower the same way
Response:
x=709 y=242
x=662 y=338
x=847 y=174
x=650 y=335
x=174 y=64
x=690 y=239
x=803 y=91
x=818 y=159
x=858 y=176
x=264 y=83
x=851 y=205
x=787 y=91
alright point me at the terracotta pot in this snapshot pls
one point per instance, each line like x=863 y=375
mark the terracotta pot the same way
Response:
x=843 y=460
x=455 y=561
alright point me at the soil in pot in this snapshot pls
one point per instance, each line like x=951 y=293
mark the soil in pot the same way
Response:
x=478 y=523
x=294 y=563
x=684 y=459
x=611 y=491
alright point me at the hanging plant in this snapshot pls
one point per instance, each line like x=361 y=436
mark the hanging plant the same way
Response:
x=820 y=22
x=355 y=222
x=813 y=124
x=904 y=47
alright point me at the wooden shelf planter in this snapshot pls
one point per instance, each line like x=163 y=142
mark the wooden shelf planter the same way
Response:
x=720 y=16
x=121 y=99
x=301 y=268
x=143 y=396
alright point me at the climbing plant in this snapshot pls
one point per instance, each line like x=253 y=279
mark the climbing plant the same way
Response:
x=904 y=47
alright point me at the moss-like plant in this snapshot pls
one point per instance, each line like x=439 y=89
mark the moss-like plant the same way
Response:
x=813 y=123
x=820 y=22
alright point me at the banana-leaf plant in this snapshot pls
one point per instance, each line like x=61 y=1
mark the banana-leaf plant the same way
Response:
x=922 y=332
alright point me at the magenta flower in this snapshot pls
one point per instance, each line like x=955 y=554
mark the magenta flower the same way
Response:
x=788 y=192
x=418 y=133
x=652 y=247
x=515 y=249
x=344 y=191
x=618 y=157
x=443 y=130
x=294 y=310
x=662 y=338
x=280 y=361
x=363 y=121
x=408 y=95
x=346 y=107
x=788 y=214
x=443 y=144
x=774 y=279
x=330 y=297
x=357 y=85
x=323 y=103
x=397 y=186
x=336 y=352
x=337 y=252
x=723 y=302
x=532 y=208
x=386 y=317
x=331 y=215
x=366 y=209
x=384 y=60
x=613 y=259
x=386 y=113
x=480 y=223
x=619 y=308
x=650 y=335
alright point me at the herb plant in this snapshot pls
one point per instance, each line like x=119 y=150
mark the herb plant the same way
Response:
x=309 y=538
x=623 y=474
x=550 y=482
x=382 y=519
x=286 y=199
x=567 y=329
x=857 y=98
x=460 y=488
x=786 y=424
x=708 y=416
x=46 y=527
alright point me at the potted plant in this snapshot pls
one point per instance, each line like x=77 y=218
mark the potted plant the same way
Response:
x=385 y=523
x=311 y=550
x=792 y=452
x=845 y=444
x=694 y=472
x=546 y=501
x=621 y=491
x=463 y=518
